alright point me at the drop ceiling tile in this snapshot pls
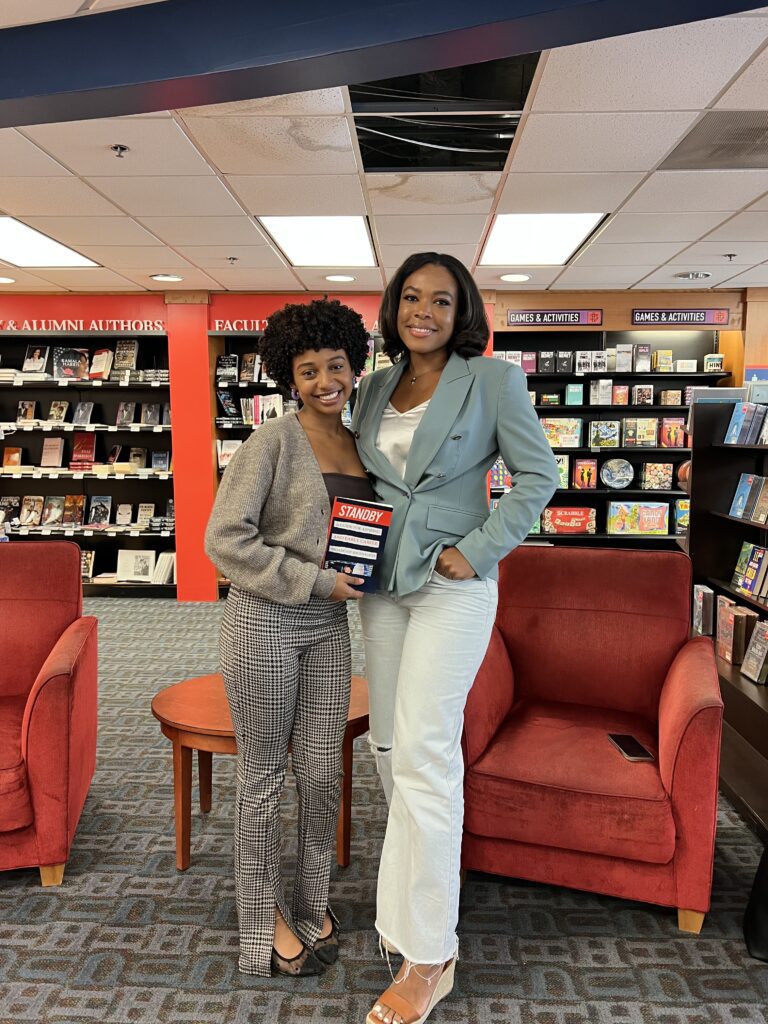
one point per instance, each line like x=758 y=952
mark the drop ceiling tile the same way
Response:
x=77 y=231
x=750 y=89
x=697 y=191
x=394 y=255
x=19 y=156
x=678 y=68
x=103 y=5
x=47 y=197
x=25 y=282
x=598 y=142
x=315 y=103
x=565 y=193
x=744 y=227
x=541 y=277
x=275 y=145
x=759 y=205
x=86 y=278
x=665 y=278
x=438 y=193
x=169 y=197
x=600 y=277
x=757 y=277
x=321 y=195
x=366 y=280
x=133 y=257
x=634 y=254
x=215 y=257
x=745 y=253
x=194 y=280
x=21 y=12
x=659 y=227
x=157 y=145
x=268 y=280
x=177 y=231
x=420 y=228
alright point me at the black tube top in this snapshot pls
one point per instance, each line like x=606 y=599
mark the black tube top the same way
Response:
x=344 y=485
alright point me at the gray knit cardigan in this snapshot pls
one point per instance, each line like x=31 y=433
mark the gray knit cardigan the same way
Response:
x=269 y=524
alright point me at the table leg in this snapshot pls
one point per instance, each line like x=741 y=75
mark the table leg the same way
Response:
x=182 y=802
x=344 y=827
x=204 y=773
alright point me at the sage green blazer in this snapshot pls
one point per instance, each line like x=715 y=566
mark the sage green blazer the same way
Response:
x=480 y=409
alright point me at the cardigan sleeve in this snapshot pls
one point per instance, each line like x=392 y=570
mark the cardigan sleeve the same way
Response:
x=234 y=542
x=529 y=458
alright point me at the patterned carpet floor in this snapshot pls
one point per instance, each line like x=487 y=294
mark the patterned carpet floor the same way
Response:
x=129 y=940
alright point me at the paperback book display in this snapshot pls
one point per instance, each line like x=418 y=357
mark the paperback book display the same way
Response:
x=748 y=424
x=750 y=499
x=356 y=537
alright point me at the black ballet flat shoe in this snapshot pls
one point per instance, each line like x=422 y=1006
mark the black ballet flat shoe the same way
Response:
x=303 y=965
x=327 y=947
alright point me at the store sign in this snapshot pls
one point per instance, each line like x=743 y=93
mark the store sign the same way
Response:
x=681 y=317
x=228 y=326
x=81 y=326
x=554 y=317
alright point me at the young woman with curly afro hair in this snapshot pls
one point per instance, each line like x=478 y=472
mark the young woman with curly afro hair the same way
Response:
x=284 y=645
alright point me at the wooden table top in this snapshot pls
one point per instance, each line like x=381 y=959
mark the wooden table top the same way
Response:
x=200 y=705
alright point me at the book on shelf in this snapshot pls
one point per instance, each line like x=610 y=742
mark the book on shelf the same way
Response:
x=638 y=518
x=629 y=432
x=546 y=362
x=585 y=474
x=599 y=361
x=99 y=509
x=25 y=412
x=126 y=354
x=740 y=416
x=227 y=403
x=70 y=363
x=11 y=456
x=610 y=359
x=562 y=432
x=703 y=604
x=248 y=407
x=750 y=570
x=101 y=364
x=83 y=450
x=57 y=413
x=10 y=507
x=166 y=414
x=657 y=476
x=647 y=431
x=165 y=568
x=686 y=365
x=515 y=357
x=53 y=510
x=752 y=498
x=662 y=360
x=356 y=536
x=31 y=510
x=641 y=358
x=549 y=398
x=583 y=361
x=760 y=509
x=741 y=494
x=723 y=637
x=227 y=448
x=564 y=361
x=714 y=362
x=126 y=413
x=576 y=519
x=532 y=396
x=86 y=564
x=161 y=461
x=271 y=407
x=114 y=454
x=226 y=369
x=672 y=432
x=135 y=566
x=574 y=394
x=124 y=514
x=623 y=359
x=755 y=663
x=601 y=391
x=528 y=362
x=52 y=453
x=250 y=364
x=757 y=391
x=642 y=394
x=669 y=397
x=144 y=513
x=604 y=433
x=74 y=510
x=138 y=457
x=82 y=414
x=35 y=359
x=682 y=515
x=150 y=414
x=620 y=394
x=563 y=467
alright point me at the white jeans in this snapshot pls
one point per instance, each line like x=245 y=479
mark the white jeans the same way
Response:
x=423 y=652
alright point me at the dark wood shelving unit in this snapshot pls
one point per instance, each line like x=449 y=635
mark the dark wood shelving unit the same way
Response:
x=715 y=539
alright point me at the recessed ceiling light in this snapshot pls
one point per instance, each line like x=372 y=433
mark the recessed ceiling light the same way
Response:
x=693 y=275
x=24 y=247
x=322 y=241
x=7 y=280
x=515 y=278
x=345 y=278
x=166 y=277
x=537 y=239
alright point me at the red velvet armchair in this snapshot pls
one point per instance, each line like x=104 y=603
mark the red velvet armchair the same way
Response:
x=587 y=642
x=47 y=704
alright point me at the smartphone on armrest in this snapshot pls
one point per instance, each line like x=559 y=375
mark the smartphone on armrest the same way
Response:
x=630 y=747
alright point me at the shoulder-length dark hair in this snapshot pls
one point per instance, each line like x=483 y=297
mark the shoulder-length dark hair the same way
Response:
x=470 y=334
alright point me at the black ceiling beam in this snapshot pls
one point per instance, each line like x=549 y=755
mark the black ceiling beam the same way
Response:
x=183 y=53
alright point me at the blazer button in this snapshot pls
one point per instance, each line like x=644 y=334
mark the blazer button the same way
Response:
x=357 y=433
x=441 y=476
x=456 y=437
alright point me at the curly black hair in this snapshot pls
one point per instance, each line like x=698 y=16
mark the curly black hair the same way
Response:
x=299 y=327
x=470 y=335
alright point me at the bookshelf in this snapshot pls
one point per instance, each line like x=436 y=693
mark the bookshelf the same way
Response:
x=141 y=486
x=685 y=345
x=715 y=539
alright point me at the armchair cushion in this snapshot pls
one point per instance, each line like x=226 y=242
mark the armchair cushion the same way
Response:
x=15 y=803
x=551 y=776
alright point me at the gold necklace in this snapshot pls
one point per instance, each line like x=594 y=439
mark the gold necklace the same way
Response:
x=423 y=373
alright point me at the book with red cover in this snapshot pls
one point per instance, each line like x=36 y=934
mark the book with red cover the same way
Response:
x=356 y=536
x=83 y=451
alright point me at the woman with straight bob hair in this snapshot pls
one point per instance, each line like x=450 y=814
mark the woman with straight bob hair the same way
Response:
x=429 y=428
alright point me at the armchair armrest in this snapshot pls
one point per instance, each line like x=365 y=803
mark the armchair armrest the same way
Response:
x=690 y=723
x=490 y=699
x=58 y=737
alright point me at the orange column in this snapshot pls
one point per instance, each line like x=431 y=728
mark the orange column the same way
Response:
x=193 y=441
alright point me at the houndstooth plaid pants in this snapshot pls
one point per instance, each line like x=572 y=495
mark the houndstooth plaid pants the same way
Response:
x=287 y=673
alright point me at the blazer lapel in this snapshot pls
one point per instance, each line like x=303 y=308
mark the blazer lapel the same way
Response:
x=382 y=386
x=445 y=405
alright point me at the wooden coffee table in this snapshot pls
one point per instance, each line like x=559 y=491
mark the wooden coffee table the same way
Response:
x=194 y=715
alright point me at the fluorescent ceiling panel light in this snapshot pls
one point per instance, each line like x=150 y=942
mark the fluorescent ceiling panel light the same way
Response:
x=322 y=241
x=537 y=239
x=24 y=247
x=166 y=277
x=515 y=278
